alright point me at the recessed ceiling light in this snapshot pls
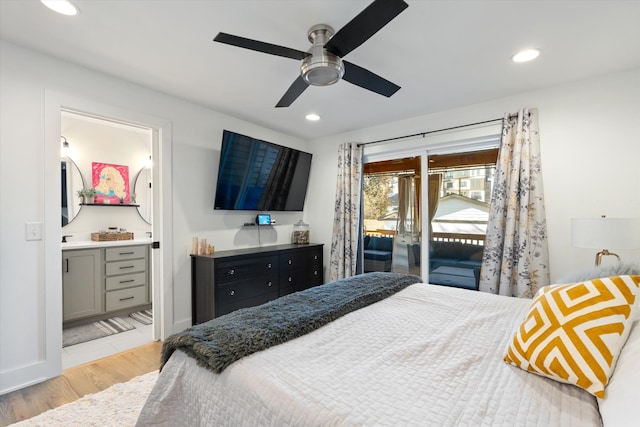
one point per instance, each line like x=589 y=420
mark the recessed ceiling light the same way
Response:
x=312 y=117
x=64 y=7
x=526 y=55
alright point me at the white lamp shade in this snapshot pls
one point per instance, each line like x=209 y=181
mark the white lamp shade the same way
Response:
x=606 y=233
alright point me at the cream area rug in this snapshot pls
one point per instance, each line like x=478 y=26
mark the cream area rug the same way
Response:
x=119 y=405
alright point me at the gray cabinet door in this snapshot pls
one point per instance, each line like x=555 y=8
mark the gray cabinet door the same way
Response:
x=81 y=283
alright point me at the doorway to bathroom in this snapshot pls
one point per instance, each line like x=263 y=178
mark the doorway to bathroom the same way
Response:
x=107 y=223
x=49 y=365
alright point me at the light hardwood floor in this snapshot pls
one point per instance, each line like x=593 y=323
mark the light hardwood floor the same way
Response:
x=78 y=381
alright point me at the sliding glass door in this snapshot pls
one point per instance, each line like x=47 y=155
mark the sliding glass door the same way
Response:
x=445 y=215
x=392 y=225
x=459 y=195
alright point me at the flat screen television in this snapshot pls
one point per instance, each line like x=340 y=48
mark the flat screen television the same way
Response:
x=255 y=175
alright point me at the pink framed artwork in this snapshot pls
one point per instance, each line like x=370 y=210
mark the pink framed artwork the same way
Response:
x=111 y=183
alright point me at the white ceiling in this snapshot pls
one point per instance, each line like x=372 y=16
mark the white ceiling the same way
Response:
x=443 y=54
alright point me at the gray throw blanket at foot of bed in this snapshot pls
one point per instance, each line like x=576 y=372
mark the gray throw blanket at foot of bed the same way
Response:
x=218 y=343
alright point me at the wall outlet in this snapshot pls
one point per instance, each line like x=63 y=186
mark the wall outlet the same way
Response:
x=33 y=231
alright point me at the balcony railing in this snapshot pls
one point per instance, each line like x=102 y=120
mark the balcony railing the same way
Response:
x=380 y=232
x=469 y=239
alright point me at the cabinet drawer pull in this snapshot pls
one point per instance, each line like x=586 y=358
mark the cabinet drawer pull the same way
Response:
x=67 y=264
x=124 y=299
x=270 y=284
x=315 y=257
x=232 y=271
x=269 y=265
x=124 y=267
x=126 y=281
x=126 y=253
x=290 y=278
x=289 y=262
x=232 y=292
x=315 y=273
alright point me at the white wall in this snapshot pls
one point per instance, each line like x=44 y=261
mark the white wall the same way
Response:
x=590 y=156
x=25 y=78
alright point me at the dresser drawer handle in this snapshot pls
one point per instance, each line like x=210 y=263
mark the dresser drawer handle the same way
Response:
x=126 y=253
x=232 y=292
x=124 y=267
x=270 y=284
x=124 y=299
x=126 y=281
x=290 y=279
x=289 y=262
x=232 y=271
x=315 y=273
x=315 y=257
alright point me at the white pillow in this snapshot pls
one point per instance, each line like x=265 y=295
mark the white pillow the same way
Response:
x=619 y=407
x=621 y=268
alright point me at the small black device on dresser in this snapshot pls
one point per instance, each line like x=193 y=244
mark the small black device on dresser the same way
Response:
x=230 y=280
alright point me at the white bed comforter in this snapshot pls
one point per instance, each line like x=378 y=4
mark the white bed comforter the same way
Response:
x=427 y=356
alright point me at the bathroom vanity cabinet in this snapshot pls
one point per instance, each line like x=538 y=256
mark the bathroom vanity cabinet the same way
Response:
x=104 y=280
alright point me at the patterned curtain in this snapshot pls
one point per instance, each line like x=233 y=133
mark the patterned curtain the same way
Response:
x=405 y=211
x=516 y=258
x=346 y=222
x=433 y=193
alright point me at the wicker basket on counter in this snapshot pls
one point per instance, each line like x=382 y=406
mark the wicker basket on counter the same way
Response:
x=111 y=237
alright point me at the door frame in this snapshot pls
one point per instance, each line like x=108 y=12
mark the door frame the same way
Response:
x=162 y=226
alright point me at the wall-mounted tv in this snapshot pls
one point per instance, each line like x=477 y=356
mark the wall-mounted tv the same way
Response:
x=256 y=175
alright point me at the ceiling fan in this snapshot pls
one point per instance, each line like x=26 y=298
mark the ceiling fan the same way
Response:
x=322 y=64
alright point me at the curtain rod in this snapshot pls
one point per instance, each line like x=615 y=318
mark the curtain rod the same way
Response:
x=362 y=144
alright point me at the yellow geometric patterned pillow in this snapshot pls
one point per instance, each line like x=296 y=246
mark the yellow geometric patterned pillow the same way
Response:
x=573 y=333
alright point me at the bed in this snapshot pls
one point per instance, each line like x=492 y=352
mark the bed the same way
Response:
x=424 y=355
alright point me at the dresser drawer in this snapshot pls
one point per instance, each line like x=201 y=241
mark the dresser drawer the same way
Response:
x=125 y=252
x=301 y=259
x=126 y=281
x=316 y=256
x=125 y=267
x=294 y=280
x=124 y=298
x=232 y=271
x=246 y=289
x=315 y=275
x=251 y=302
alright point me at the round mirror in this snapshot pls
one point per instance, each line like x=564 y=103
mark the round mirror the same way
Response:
x=72 y=182
x=141 y=195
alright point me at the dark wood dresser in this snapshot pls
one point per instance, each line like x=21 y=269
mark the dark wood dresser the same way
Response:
x=230 y=280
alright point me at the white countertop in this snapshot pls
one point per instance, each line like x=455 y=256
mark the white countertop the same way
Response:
x=90 y=244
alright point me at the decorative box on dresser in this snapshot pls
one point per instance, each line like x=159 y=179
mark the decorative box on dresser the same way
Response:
x=230 y=280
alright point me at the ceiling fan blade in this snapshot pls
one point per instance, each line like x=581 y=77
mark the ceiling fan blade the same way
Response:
x=366 y=79
x=295 y=90
x=366 y=24
x=271 y=49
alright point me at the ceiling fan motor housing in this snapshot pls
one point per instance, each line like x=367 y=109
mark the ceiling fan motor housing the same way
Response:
x=321 y=68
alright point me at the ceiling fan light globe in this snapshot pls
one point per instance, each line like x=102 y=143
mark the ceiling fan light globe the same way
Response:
x=322 y=70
